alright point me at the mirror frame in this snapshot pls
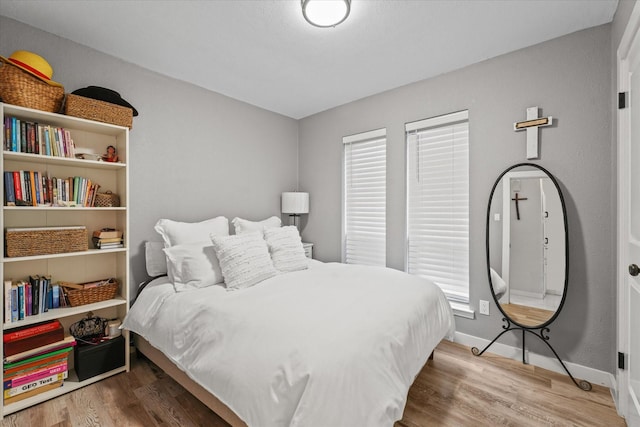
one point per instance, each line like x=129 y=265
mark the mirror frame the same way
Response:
x=566 y=246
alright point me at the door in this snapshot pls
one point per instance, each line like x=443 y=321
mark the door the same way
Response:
x=628 y=377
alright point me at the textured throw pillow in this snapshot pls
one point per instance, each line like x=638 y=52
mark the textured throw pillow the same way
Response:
x=176 y=233
x=244 y=259
x=246 y=226
x=285 y=247
x=192 y=266
x=155 y=259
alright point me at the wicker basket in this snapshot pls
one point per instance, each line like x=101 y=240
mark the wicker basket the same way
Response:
x=18 y=87
x=88 y=296
x=107 y=200
x=45 y=240
x=93 y=109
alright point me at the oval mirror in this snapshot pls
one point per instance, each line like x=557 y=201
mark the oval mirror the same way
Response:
x=527 y=250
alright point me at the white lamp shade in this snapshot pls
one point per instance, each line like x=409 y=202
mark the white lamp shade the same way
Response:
x=295 y=203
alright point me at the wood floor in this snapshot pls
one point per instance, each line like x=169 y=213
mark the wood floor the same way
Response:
x=454 y=389
x=526 y=315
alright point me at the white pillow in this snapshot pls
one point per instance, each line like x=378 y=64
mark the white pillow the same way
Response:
x=285 y=247
x=192 y=266
x=244 y=259
x=155 y=259
x=177 y=233
x=246 y=226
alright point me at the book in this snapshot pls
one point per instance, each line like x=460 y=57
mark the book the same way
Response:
x=20 y=300
x=39 y=374
x=34 y=392
x=31 y=330
x=17 y=188
x=9 y=190
x=68 y=341
x=35 y=292
x=108 y=233
x=55 y=296
x=14 y=303
x=36 y=365
x=7 y=300
x=49 y=356
x=34 y=385
x=34 y=341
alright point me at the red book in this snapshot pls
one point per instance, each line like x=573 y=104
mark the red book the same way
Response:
x=30 y=330
x=16 y=185
x=34 y=341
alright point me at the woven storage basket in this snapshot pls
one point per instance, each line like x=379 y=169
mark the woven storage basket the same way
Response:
x=107 y=200
x=88 y=296
x=45 y=240
x=18 y=87
x=93 y=109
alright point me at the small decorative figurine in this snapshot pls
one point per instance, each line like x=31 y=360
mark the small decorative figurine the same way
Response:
x=111 y=155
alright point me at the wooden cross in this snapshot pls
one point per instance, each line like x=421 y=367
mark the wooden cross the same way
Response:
x=531 y=125
x=517 y=199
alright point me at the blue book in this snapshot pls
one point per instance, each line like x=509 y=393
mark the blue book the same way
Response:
x=15 y=131
x=47 y=142
x=14 y=303
x=21 y=301
x=10 y=195
x=36 y=176
x=56 y=297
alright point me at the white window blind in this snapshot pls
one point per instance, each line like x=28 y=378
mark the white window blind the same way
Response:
x=364 y=204
x=438 y=202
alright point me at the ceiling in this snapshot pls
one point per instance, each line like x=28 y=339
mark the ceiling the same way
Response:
x=264 y=52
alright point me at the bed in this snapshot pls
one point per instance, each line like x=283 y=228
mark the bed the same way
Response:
x=331 y=344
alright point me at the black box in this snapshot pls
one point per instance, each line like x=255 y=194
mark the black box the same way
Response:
x=91 y=360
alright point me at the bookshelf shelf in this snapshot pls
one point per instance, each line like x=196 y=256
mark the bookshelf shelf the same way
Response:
x=57 y=313
x=79 y=267
x=65 y=161
x=88 y=252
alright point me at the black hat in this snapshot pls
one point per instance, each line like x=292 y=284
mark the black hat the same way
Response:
x=104 y=94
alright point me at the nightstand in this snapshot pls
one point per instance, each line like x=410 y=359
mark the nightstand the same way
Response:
x=308 y=249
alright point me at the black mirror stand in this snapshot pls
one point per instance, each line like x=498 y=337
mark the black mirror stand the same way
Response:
x=542 y=334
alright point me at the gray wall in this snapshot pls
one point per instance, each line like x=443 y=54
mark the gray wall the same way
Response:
x=194 y=154
x=570 y=79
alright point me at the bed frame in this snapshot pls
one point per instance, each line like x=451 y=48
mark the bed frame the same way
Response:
x=156 y=356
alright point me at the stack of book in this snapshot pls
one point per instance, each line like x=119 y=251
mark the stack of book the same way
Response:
x=35 y=360
x=107 y=239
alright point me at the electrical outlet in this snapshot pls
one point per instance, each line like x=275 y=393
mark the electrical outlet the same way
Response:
x=484 y=307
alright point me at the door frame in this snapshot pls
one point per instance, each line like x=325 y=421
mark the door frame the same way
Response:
x=623 y=137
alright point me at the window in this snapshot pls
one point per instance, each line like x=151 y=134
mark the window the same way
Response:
x=438 y=202
x=364 y=204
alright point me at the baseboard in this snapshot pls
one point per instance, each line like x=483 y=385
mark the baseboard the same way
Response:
x=594 y=376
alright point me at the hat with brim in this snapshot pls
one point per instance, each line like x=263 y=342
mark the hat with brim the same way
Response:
x=33 y=64
x=104 y=94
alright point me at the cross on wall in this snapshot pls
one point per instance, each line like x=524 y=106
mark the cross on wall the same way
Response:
x=531 y=125
x=517 y=199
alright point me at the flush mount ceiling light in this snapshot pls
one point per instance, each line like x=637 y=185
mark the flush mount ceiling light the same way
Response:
x=325 y=13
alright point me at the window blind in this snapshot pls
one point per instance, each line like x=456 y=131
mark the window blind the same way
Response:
x=364 y=204
x=438 y=202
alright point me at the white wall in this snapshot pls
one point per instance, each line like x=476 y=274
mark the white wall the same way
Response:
x=568 y=78
x=194 y=154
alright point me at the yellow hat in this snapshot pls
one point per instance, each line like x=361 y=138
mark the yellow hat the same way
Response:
x=33 y=64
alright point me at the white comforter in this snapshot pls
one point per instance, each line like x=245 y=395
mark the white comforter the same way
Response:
x=334 y=345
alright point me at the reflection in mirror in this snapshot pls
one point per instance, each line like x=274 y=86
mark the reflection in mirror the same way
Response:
x=526 y=241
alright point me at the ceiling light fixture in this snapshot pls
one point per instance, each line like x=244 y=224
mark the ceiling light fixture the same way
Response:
x=325 y=13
